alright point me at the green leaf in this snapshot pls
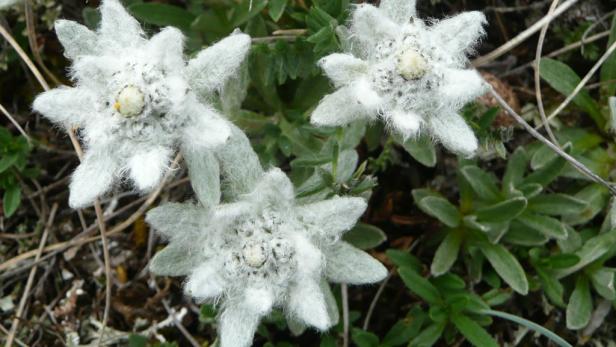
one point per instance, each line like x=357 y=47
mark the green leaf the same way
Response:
x=162 y=15
x=592 y=250
x=503 y=211
x=561 y=261
x=552 y=287
x=547 y=173
x=135 y=340
x=507 y=266
x=562 y=78
x=546 y=225
x=440 y=209
x=364 y=338
x=530 y=325
x=11 y=200
x=473 y=332
x=482 y=183
x=7 y=161
x=596 y=197
x=429 y=335
x=276 y=9
x=446 y=253
x=603 y=282
x=516 y=166
x=365 y=236
x=556 y=204
x=419 y=285
x=243 y=13
x=403 y=259
x=422 y=149
x=405 y=329
x=579 y=308
x=608 y=70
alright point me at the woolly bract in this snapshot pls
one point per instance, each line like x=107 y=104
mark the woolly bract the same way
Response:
x=263 y=251
x=136 y=99
x=408 y=73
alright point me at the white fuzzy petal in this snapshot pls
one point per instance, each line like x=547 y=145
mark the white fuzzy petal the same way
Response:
x=92 y=178
x=204 y=175
x=118 y=27
x=167 y=48
x=176 y=259
x=237 y=326
x=347 y=264
x=259 y=300
x=147 y=168
x=212 y=67
x=239 y=165
x=330 y=300
x=76 y=39
x=334 y=216
x=4 y=4
x=371 y=25
x=310 y=256
x=462 y=86
x=205 y=282
x=94 y=72
x=275 y=188
x=453 y=132
x=65 y=106
x=307 y=304
x=207 y=129
x=405 y=123
x=339 y=108
x=174 y=219
x=460 y=33
x=399 y=10
x=343 y=68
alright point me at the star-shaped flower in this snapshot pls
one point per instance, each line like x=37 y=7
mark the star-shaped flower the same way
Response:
x=136 y=99
x=408 y=73
x=264 y=251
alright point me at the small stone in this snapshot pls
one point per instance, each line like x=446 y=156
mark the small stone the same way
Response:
x=130 y=101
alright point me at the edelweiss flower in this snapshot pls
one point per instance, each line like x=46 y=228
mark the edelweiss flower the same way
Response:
x=407 y=72
x=136 y=99
x=264 y=251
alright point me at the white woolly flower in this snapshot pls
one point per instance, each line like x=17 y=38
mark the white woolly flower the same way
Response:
x=136 y=99
x=264 y=251
x=406 y=72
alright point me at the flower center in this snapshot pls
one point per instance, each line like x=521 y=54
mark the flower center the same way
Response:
x=130 y=101
x=254 y=254
x=411 y=65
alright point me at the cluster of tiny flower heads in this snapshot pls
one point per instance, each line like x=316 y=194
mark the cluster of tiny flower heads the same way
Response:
x=406 y=72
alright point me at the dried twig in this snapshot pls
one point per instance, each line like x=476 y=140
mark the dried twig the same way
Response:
x=344 y=289
x=30 y=281
x=113 y=231
x=574 y=162
x=19 y=128
x=514 y=42
x=537 y=74
x=7 y=36
x=583 y=82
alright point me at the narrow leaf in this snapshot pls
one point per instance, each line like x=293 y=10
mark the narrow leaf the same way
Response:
x=440 y=209
x=503 y=211
x=507 y=266
x=579 y=308
x=420 y=286
x=473 y=332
